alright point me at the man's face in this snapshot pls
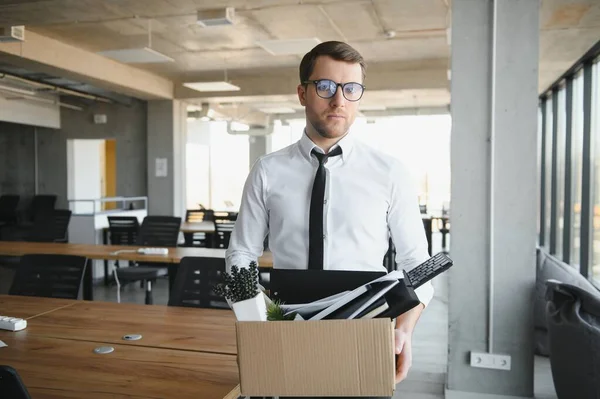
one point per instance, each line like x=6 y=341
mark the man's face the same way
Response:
x=331 y=118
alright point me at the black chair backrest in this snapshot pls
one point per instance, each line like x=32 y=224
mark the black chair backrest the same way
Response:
x=42 y=204
x=51 y=226
x=224 y=224
x=160 y=231
x=8 y=208
x=52 y=276
x=573 y=316
x=11 y=384
x=124 y=230
x=195 y=282
x=199 y=215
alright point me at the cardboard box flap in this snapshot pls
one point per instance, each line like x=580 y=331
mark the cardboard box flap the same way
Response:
x=316 y=358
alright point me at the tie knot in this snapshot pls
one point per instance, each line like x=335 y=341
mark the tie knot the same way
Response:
x=323 y=157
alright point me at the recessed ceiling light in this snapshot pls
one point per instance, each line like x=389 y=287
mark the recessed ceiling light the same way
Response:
x=212 y=86
x=143 y=55
x=289 y=46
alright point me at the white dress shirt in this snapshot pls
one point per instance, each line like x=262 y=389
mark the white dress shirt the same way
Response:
x=368 y=196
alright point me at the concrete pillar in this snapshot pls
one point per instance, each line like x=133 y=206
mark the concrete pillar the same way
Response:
x=258 y=147
x=167 y=124
x=494 y=194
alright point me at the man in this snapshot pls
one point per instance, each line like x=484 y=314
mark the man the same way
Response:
x=329 y=201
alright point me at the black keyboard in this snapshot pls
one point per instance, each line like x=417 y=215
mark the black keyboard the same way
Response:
x=429 y=269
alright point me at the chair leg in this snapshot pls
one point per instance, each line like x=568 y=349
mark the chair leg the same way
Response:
x=106 y=273
x=149 y=299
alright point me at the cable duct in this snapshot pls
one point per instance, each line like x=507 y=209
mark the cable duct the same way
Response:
x=52 y=88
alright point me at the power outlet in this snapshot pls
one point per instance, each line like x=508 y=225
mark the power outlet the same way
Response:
x=490 y=361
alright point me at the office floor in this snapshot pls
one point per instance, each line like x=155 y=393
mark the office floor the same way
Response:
x=426 y=378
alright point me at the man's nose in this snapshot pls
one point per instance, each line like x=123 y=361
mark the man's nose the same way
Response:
x=338 y=99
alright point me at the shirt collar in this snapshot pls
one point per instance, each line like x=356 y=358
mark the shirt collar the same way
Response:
x=307 y=145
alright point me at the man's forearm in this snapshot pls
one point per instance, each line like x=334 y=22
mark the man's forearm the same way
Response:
x=407 y=321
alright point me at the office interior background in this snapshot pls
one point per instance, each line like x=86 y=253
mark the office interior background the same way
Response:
x=494 y=106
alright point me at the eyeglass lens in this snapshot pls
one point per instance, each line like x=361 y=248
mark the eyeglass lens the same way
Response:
x=327 y=88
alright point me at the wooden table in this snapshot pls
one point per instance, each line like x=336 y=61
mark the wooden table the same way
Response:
x=54 y=354
x=29 y=307
x=57 y=368
x=207 y=330
x=116 y=252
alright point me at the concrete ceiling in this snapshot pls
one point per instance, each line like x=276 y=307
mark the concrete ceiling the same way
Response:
x=407 y=70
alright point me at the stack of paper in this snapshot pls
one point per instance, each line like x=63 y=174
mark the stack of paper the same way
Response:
x=366 y=301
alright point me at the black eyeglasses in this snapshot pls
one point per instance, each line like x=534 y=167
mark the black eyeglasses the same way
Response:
x=326 y=88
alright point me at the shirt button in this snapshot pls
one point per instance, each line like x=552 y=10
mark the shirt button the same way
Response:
x=325 y=201
x=324 y=236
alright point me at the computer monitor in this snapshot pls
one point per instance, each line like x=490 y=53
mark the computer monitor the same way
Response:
x=293 y=286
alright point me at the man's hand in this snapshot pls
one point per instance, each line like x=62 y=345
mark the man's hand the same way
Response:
x=405 y=324
x=403 y=354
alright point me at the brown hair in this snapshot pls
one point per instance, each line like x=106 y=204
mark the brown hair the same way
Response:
x=339 y=51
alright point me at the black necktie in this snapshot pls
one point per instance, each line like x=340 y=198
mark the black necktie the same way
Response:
x=315 y=229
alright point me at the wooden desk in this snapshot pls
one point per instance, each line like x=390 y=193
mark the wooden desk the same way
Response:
x=115 y=252
x=25 y=307
x=60 y=368
x=206 y=330
x=54 y=354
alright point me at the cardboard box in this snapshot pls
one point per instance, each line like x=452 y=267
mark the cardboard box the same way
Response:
x=316 y=358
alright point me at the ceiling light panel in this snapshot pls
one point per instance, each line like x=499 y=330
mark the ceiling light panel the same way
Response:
x=212 y=86
x=288 y=46
x=143 y=55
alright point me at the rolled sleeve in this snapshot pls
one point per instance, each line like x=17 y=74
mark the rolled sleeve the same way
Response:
x=251 y=226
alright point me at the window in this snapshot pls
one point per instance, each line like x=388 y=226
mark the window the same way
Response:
x=548 y=156
x=540 y=175
x=577 y=168
x=595 y=131
x=422 y=143
x=285 y=135
x=217 y=166
x=560 y=170
x=229 y=164
x=197 y=179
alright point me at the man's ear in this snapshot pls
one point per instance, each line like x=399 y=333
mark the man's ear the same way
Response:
x=302 y=94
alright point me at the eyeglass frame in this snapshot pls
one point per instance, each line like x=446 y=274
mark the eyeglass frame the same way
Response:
x=316 y=81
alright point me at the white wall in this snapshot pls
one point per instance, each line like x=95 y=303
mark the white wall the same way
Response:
x=84 y=172
x=29 y=112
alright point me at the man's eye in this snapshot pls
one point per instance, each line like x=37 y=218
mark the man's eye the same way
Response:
x=323 y=86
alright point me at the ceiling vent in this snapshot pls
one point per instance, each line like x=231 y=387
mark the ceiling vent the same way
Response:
x=216 y=17
x=12 y=33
